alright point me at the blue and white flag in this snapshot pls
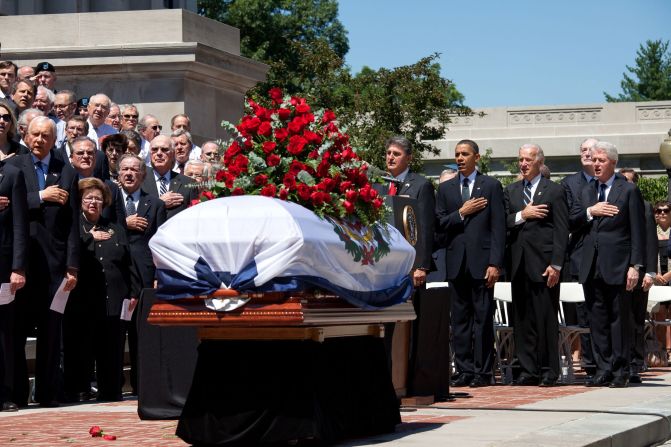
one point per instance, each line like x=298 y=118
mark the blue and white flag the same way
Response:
x=255 y=243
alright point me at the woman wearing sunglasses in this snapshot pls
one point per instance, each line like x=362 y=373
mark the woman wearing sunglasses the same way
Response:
x=8 y=146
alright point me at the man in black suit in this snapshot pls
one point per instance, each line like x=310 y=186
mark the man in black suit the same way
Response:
x=53 y=256
x=639 y=302
x=171 y=187
x=537 y=220
x=13 y=261
x=613 y=254
x=573 y=185
x=144 y=214
x=470 y=212
x=77 y=126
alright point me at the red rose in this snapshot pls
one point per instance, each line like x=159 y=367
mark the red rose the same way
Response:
x=220 y=175
x=265 y=130
x=303 y=191
x=344 y=186
x=289 y=181
x=351 y=195
x=377 y=203
x=233 y=150
x=302 y=108
x=327 y=185
x=348 y=154
x=249 y=124
x=241 y=162
x=269 y=190
x=273 y=160
x=364 y=194
x=281 y=134
x=349 y=206
x=268 y=146
x=295 y=126
x=208 y=195
x=95 y=431
x=194 y=202
x=296 y=167
x=284 y=114
x=261 y=179
x=312 y=137
x=296 y=144
x=313 y=155
x=284 y=193
x=248 y=143
x=109 y=437
x=229 y=178
x=328 y=116
x=275 y=94
x=307 y=119
x=323 y=168
x=238 y=192
x=316 y=198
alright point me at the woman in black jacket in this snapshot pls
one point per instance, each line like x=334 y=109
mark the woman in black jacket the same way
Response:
x=107 y=277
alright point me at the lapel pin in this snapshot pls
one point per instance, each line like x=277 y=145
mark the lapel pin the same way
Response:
x=539 y=193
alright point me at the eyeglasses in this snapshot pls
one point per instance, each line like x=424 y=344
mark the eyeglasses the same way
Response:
x=62 y=106
x=6 y=118
x=92 y=200
x=130 y=117
x=165 y=150
x=662 y=211
x=157 y=127
x=88 y=153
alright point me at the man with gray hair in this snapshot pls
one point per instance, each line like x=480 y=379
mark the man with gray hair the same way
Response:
x=98 y=109
x=537 y=222
x=24 y=121
x=172 y=188
x=613 y=254
x=149 y=128
x=181 y=141
x=573 y=185
x=44 y=100
x=210 y=152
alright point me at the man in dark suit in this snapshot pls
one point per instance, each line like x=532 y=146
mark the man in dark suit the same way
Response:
x=77 y=126
x=639 y=302
x=573 y=185
x=537 y=220
x=13 y=261
x=144 y=214
x=613 y=254
x=171 y=187
x=53 y=256
x=470 y=211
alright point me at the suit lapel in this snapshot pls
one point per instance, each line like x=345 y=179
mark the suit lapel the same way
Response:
x=149 y=185
x=55 y=170
x=477 y=186
x=615 y=190
x=174 y=184
x=143 y=204
x=539 y=195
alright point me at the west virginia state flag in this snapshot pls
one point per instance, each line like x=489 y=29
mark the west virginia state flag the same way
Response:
x=255 y=243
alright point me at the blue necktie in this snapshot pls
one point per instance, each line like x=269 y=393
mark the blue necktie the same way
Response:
x=602 y=192
x=527 y=192
x=465 y=193
x=40 y=172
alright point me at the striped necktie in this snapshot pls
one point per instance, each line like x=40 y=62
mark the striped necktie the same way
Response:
x=527 y=192
x=163 y=185
x=130 y=206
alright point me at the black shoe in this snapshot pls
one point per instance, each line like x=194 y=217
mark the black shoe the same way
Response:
x=9 y=406
x=635 y=378
x=463 y=380
x=600 y=380
x=526 y=380
x=479 y=381
x=619 y=382
x=548 y=382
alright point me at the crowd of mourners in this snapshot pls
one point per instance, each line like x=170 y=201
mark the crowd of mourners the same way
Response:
x=84 y=184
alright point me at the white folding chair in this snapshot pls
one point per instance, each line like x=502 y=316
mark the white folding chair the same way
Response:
x=503 y=331
x=569 y=292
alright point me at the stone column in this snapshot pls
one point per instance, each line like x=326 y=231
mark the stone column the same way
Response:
x=165 y=61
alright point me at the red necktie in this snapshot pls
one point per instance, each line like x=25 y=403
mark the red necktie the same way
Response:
x=392 y=188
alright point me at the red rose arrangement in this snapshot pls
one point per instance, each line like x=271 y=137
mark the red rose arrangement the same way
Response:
x=97 y=432
x=284 y=149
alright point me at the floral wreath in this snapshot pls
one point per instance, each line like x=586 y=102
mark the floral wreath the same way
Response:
x=282 y=149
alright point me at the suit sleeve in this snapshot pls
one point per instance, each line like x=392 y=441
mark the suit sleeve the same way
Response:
x=560 y=232
x=637 y=226
x=510 y=214
x=577 y=211
x=161 y=213
x=651 y=243
x=19 y=206
x=427 y=203
x=72 y=260
x=498 y=226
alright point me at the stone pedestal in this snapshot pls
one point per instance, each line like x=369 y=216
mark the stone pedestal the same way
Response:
x=164 y=61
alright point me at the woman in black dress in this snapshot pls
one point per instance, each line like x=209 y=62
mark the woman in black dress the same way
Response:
x=106 y=278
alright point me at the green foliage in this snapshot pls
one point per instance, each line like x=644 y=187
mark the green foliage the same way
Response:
x=654 y=188
x=485 y=161
x=652 y=75
x=412 y=100
x=289 y=35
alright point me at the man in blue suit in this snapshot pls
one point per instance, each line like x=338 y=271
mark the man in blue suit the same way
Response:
x=470 y=213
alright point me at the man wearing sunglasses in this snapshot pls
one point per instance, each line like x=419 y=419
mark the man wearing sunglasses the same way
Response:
x=149 y=128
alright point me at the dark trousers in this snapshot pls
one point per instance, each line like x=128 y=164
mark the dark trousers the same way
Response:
x=6 y=351
x=536 y=329
x=582 y=319
x=472 y=325
x=639 y=307
x=609 y=310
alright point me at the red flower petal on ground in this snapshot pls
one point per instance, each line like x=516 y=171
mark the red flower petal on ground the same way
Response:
x=109 y=437
x=95 y=431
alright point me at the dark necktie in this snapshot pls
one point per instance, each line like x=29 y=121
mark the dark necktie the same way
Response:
x=39 y=171
x=527 y=192
x=130 y=206
x=392 y=188
x=181 y=168
x=465 y=193
x=164 y=185
x=602 y=192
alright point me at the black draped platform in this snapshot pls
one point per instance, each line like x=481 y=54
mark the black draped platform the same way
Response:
x=265 y=392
